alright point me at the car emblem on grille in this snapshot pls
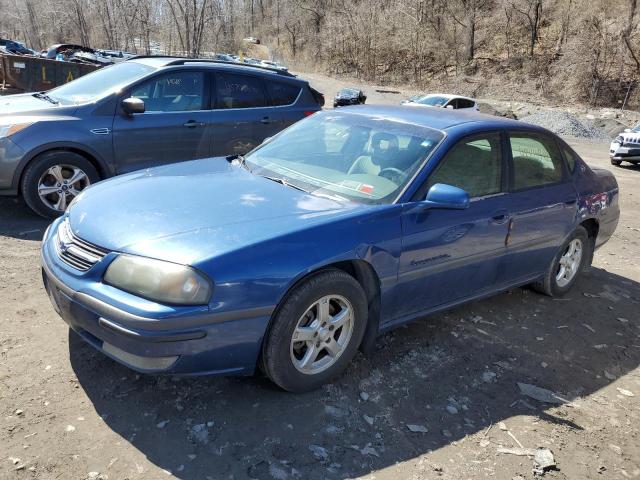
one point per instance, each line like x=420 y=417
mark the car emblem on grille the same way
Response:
x=63 y=246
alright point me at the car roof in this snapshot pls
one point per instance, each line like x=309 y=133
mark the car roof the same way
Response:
x=160 y=62
x=438 y=118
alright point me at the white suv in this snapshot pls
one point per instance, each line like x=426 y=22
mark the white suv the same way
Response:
x=626 y=147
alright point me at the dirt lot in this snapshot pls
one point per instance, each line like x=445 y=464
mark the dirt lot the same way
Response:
x=437 y=399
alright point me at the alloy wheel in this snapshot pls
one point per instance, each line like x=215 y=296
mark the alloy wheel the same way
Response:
x=60 y=184
x=569 y=263
x=322 y=334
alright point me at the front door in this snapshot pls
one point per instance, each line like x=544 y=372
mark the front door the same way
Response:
x=452 y=254
x=176 y=125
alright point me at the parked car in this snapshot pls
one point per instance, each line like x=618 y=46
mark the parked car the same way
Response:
x=271 y=64
x=11 y=46
x=626 y=147
x=223 y=57
x=347 y=224
x=137 y=114
x=252 y=40
x=443 y=100
x=349 y=96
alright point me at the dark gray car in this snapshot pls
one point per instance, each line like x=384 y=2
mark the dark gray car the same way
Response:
x=140 y=113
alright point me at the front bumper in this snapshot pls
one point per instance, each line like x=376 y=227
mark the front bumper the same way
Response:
x=11 y=155
x=185 y=344
x=629 y=154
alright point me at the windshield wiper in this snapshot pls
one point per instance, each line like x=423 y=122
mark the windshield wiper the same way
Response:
x=282 y=181
x=44 y=96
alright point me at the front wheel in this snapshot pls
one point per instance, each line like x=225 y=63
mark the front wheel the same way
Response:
x=315 y=332
x=616 y=162
x=570 y=260
x=53 y=179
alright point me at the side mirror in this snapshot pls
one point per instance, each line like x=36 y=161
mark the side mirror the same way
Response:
x=445 y=196
x=132 y=105
x=627 y=130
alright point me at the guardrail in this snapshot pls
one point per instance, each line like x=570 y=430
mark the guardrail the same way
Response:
x=35 y=74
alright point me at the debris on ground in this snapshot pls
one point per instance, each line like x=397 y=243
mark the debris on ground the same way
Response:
x=540 y=394
x=417 y=428
x=543 y=460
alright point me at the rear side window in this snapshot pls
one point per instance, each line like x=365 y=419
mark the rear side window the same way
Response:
x=282 y=93
x=536 y=161
x=239 y=91
x=172 y=92
x=570 y=157
x=474 y=164
x=463 y=103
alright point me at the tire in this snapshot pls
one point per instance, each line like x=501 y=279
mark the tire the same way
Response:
x=616 y=162
x=41 y=175
x=340 y=292
x=553 y=286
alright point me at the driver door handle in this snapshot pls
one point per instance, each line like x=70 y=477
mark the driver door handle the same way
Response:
x=193 y=123
x=265 y=120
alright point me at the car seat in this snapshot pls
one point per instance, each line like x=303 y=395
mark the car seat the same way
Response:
x=384 y=150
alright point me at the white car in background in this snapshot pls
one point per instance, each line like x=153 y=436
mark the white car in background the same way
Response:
x=626 y=147
x=444 y=100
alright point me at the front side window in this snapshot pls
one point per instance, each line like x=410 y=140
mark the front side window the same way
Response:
x=433 y=100
x=536 y=161
x=474 y=165
x=367 y=160
x=239 y=91
x=172 y=92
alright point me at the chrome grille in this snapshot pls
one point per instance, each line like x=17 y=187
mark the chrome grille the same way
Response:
x=76 y=252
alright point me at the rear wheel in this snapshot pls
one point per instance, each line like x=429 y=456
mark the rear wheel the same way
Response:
x=316 y=332
x=53 y=179
x=570 y=260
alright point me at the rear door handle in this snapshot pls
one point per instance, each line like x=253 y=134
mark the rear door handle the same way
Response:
x=193 y=123
x=500 y=217
x=265 y=120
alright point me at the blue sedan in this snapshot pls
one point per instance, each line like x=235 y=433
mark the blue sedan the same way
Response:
x=345 y=225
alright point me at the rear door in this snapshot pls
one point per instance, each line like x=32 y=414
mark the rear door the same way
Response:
x=543 y=204
x=174 y=127
x=243 y=116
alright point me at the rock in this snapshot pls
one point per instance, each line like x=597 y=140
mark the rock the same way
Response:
x=540 y=394
x=210 y=423
x=502 y=426
x=70 y=428
x=19 y=412
x=335 y=411
x=368 y=419
x=484 y=443
x=626 y=393
x=542 y=461
x=417 y=428
x=447 y=433
x=319 y=452
x=276 y=472
x=199 y=433
x=162 y=424
x=489 y=376
x=452 y=410
x=369 y=450
x=609 y=376
x=615 y=449
x=364 y=396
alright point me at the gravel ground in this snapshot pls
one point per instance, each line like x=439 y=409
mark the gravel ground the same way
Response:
x=566 y=124
x=438 y=399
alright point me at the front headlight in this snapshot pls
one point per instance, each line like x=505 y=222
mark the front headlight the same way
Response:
x=160 y=281
x=8 y=130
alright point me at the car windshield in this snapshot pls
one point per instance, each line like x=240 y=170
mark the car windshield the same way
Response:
x=366 y=159
x=100 y=83
x=432 y=100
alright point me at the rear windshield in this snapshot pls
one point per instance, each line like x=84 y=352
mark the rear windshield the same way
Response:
x=100 y=83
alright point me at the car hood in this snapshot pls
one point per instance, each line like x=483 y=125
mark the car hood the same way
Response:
x=26 y=103
x=194 y=210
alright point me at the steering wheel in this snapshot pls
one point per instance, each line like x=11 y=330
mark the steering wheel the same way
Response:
x=396 y=175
